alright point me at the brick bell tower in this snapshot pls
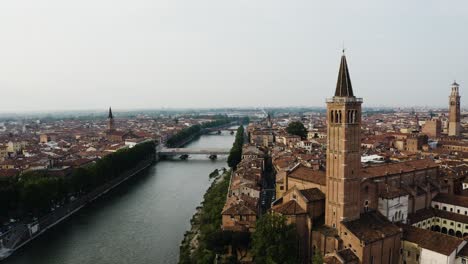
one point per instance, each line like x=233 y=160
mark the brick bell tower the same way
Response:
x=454 y=128
x=343 y=151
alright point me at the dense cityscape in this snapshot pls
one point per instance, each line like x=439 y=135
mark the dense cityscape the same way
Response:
x=334 y=185
x=225 y=132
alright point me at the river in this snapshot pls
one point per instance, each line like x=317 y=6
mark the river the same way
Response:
x=140 y=222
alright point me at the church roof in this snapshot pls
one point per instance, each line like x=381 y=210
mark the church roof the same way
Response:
x=110 y=113
x=289 y=208
x=343 y=85
x=434 y=241
x=371 y=227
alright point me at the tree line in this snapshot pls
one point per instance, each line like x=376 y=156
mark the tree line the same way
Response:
x=194 y=130
x=34 y=193
x=235 y=155
x=187 y=133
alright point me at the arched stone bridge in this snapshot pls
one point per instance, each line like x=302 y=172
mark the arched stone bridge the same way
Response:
x=193 y=151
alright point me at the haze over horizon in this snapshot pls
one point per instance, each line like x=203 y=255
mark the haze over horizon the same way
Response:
x=60 y=55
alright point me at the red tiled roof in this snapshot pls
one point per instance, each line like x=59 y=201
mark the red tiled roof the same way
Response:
x=307 y=174
x=371 y=227
x=451 y=199
x=396 y=168
x=313 y=194
x=434 y=241
x=289 y=208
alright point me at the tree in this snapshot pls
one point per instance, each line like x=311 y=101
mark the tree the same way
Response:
x=274 y=241
x=297 y=128
x=317 y=259
x=235 y=155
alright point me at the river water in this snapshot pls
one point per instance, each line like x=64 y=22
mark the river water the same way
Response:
x=140 y=222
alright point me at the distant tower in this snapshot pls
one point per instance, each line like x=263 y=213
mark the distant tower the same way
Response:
x=110 y=121
x=269 y=123
x=343 y=152
x=454 y=127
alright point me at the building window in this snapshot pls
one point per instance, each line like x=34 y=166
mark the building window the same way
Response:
x=458 y=210
x=444 y=208
x=409 y=254
x=451 y=209
x=417 y=257
x=451 y=223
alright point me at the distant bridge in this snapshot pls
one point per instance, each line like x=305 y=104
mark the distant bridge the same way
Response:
x=220 y=129
x=193 y=151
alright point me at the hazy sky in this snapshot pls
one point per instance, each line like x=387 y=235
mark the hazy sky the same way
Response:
x=210 y=53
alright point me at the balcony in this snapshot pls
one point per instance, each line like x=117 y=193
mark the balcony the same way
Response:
x=337 y=99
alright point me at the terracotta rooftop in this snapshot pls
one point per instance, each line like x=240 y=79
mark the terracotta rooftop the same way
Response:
x=434 y=241
x=307 y=174
x=313 y=194
x=396 y=168
x=371 y=227
x=289 y=208
x=421 y=215
x=241 y=208
x=451 y=199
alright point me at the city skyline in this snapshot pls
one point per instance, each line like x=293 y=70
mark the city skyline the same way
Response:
x=178 y=54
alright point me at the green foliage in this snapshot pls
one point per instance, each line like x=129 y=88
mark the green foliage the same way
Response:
x=214 y=174
x=212 y=239
x=235 y=155
x=39 y=194
x=297 y=128
x=35 y=192
x=317 y=258
x=245 y=120
x=194 y=130
x=184 y=134
x=274 y=241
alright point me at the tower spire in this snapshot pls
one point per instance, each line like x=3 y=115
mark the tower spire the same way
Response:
x=110 y=120
x=343 y=85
